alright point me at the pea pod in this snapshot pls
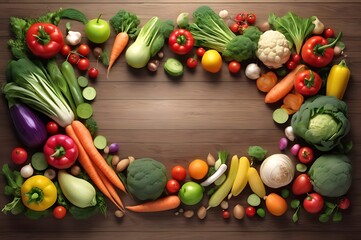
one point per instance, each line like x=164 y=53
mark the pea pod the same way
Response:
x=337 y=80
x=222 y=192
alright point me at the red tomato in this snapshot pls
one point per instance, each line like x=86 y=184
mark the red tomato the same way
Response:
x=93 y=72
x=234 y=67
x=226 y=214
x=73 y=58
x=302 y=184
x=235 y=27
x=291 y=65
x=305 y=155
x=296 y=58
x=313 y=203
x=328 y=33
x=240 y=17
x=200 y=52
x=250 y=211
x=52 y=127
x=65 y=50
x=83 y=64
x=251 y=18
x=59 y=212
x=192 y=62
x=19 y=155
x=172 y=186
x=344 y=203
x=179 y=173
x=83 y=49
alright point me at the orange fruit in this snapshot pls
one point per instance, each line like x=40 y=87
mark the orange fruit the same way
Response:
x=198 y=169
x=212 y=61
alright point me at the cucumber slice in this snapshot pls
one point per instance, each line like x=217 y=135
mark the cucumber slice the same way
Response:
x=38 y=161
x=84 y=110
x=100 y=142
x=280 y=116
x=173 y=67
x=82 y=81
x=254 y=200
x=89 y=93
x=300 y=167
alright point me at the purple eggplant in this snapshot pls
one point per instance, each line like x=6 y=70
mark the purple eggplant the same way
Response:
x=29 y=127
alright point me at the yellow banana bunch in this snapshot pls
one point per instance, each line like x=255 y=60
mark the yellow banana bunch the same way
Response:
x=241 y=179
x=255 y=182
x=222 y=192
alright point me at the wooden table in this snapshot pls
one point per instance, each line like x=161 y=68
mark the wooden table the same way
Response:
x=177 y=120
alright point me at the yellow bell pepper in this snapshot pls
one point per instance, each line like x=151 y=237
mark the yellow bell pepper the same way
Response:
x=337 y=80
x=38 y=193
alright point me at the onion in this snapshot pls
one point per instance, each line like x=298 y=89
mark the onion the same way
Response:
x=277 y=171
x=27 y=171
x=295 y=148
x=113 y=148
x=283 y=143
x=289 y=133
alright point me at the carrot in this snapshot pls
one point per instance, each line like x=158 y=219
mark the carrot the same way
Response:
x=88 y=166
x=284 y=86
x=292 y=102
x=120 y=42
x=114 y=196
x=161 y=204
x=86 y=141
x=266 y=81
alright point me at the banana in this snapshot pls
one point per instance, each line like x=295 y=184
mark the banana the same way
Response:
x=255 y=182
x=241 y=178
x=222 y=192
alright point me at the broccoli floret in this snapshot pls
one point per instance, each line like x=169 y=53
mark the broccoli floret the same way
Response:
x=91 y=125
x=253 y=33
x=240 y=48
x=126 y=22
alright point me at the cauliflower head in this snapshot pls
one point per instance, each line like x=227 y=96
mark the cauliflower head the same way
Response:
x=273 y=49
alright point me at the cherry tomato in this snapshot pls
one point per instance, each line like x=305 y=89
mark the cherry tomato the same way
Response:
x=235 y=27
x=200 y=52
x=344 y=203
x=291 y=65
x=192 y=62
x=313 y=203
x=59 y=212
x=241 y=17
x=305 y=155
x=234 y=67
x=172 y=186
x=226 y=214
x=52 y=127
x=73 y=58
x=83 y=49
x=19 y=155
x=296 y=58
x=250 y=211
x=251 y=18
x=328 y=33
x=65 y=50
x=302 y=184
x=179 y=173
x=93 y=72
x=83 y=64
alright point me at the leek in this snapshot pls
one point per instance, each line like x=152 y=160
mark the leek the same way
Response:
x=32 y=85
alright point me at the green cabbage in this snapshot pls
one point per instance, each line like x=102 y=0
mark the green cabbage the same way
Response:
x=321 y=121
x=146 y=179
x=331 y=175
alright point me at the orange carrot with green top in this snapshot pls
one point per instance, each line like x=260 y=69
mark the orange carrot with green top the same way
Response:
x=161 y=204
x=86 y=141
x=120 y=42
x=283 y=87
x=88 y=166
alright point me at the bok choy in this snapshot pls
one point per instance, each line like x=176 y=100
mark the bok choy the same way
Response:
x=31 y=84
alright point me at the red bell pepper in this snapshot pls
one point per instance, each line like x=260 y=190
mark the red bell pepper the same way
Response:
x=317 y=52
x=60 y=151
x=44 y=40
x=307 y=83
x=181 y=41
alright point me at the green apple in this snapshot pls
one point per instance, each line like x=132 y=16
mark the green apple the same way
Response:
x=191 y=193
x=97 y=30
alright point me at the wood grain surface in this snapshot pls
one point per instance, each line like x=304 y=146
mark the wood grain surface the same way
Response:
x=177 y=120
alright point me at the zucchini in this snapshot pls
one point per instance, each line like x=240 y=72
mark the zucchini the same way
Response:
x=69 y=74
x=173 y=67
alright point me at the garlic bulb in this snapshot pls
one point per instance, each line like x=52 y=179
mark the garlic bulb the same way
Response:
x=277 y=171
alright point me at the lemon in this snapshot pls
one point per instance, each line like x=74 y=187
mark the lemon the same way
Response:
x=212 y=61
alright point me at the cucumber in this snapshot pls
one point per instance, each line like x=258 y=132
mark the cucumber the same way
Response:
x=84 y=110
x=89 y=93
x=173 y=67
x=254 y=200
x=280 y=116
x=100 y=142
x=38 y=161
x=82 y=81
x=69 y=74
